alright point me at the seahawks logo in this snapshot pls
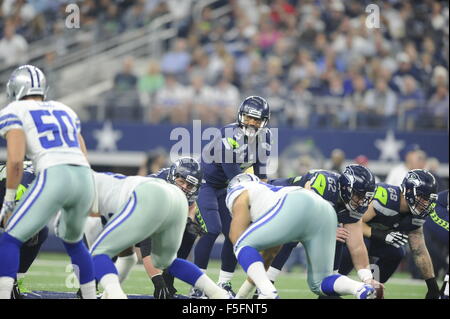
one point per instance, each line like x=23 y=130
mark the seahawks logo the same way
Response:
x=414 y=179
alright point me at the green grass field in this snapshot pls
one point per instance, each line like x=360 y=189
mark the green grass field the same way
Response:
x=52 y=272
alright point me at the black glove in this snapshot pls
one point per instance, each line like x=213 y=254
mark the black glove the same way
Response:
x=391 y=237
x=161 y=290
x=194 y=228
x=433 y=289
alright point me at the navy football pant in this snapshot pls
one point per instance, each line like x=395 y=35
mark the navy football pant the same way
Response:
x=211 y=203
x=385 y=256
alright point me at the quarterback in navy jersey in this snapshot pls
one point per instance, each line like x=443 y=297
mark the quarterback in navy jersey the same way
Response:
x=350 y=194
x=30 y=249
x=396 y=217
x=240 y=146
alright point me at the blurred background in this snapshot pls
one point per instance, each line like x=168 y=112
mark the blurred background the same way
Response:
x=339 y=92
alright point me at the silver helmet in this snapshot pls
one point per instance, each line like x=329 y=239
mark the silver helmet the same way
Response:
x=26 y=80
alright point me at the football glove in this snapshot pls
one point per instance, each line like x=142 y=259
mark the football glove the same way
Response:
x=161 y=290
x=394 y=238
x=194 y=228
x=7 y=208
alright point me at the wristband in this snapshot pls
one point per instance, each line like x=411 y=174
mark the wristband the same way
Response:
x=10 y=195
x=365 y=274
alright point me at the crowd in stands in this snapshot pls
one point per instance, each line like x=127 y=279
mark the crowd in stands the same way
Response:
x=316 y=61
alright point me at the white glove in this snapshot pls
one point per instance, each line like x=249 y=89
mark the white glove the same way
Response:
x=396 y=239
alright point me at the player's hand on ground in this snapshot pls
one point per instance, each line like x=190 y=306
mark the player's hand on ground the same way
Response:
x=161 y=290
x=7 y=209
x=342 y=234
x=394 y=238
x=194 y=228
x=379 y=287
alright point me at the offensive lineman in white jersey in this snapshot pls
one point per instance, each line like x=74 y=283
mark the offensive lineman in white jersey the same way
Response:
x=48 y=133
x=137 y=208
x=266 y=216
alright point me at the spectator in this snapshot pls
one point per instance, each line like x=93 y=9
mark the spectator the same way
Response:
x=201 y=98
x=152 y=81
x=410 y=103
x=437 y=109
x=301 y=104
x=13 y=47
x=171 y=103
x=134 y=16
x=125 y=80
x=227 y=99
x=177 y=60
x=337 y=160
x=275 y=94
x=356 y=104
x=381 y=104
x=433 y=166
x=414 y=158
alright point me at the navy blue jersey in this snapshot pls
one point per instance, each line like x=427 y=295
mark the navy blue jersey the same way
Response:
x=232 y=153
x=437 y=221
x=326 y=184
x=386 y=204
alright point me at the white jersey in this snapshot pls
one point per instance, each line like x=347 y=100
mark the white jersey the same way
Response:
x=51 y=129
x=113 y=190
x=262 y=197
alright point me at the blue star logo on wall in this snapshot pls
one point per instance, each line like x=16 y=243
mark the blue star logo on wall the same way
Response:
x=389 y=147
x=107 y=137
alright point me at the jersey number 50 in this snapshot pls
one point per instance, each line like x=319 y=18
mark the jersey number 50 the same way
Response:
x=58 y=126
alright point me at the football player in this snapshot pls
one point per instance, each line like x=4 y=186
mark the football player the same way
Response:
x=266 y=216
x=241 y=145
x=395 y=217
x=30 y=249
x=437 y=226
x=48 y=133
x=350 y=194
x=186 y=174
x=143 y=207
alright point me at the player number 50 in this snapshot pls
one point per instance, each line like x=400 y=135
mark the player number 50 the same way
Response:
x=53 y=132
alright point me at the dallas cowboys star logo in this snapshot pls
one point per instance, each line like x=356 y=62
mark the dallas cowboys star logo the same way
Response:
x=107 y=137
x=389 y=147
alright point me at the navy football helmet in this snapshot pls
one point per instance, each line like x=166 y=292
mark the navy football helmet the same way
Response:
x=188 y=169
x=255 y=107
x=357 y=188
x=420 y=190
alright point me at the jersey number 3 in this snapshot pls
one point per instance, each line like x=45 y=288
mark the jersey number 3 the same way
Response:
x=54 y=127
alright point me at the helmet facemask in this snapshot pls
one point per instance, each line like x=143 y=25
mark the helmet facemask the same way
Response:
x=420 y=204
x=250 y=130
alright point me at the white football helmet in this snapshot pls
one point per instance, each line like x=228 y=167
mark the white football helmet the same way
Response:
x=24 y=81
